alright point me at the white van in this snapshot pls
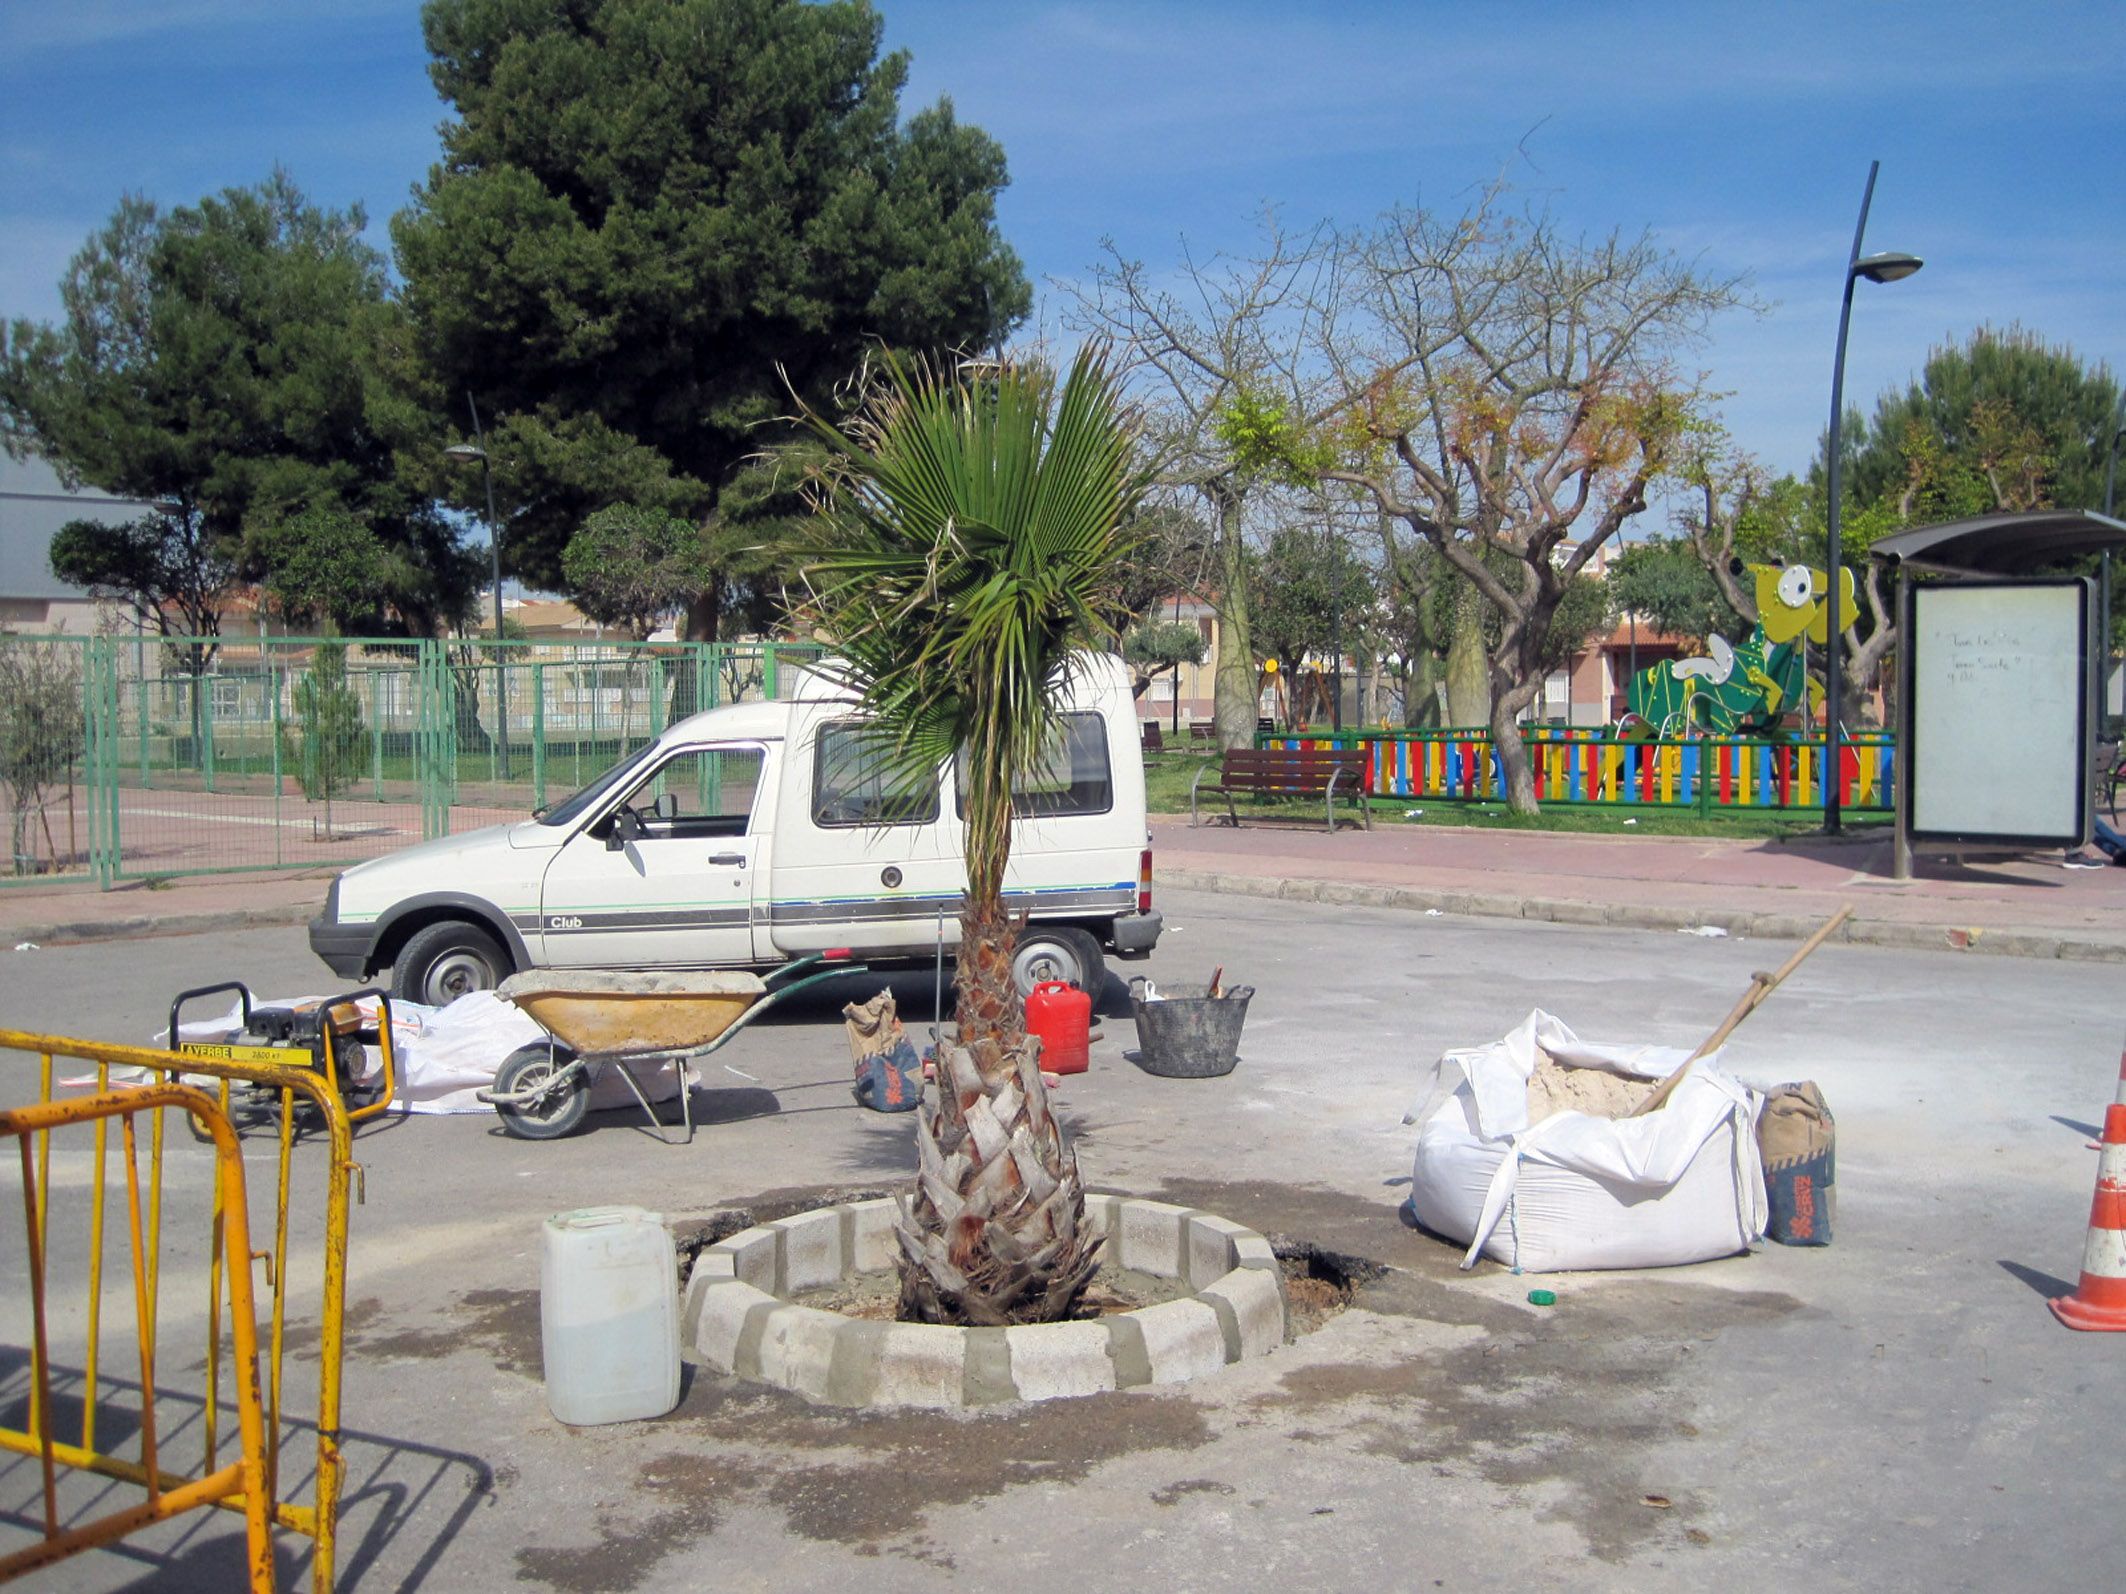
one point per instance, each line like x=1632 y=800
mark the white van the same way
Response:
x=752 y=834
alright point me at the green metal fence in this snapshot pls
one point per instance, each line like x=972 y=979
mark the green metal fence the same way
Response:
x=122 y=758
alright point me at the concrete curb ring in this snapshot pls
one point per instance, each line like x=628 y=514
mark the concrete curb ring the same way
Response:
x=738 y=1318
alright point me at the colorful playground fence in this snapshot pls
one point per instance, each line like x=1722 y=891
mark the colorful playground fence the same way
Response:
x=1576 y=768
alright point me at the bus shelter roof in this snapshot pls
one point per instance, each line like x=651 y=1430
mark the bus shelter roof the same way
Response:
x=2022 y=543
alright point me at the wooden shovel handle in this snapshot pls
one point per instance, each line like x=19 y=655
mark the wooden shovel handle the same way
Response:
x=1761 y=986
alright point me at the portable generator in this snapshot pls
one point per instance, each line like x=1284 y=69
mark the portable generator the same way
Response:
x=325 y=1038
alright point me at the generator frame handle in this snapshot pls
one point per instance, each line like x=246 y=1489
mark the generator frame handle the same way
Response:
x=327 y=1039
x=177 y=1002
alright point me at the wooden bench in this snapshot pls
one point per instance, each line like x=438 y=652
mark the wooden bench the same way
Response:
x=1203 y=730
x=1153 y=741
x=1288 y=772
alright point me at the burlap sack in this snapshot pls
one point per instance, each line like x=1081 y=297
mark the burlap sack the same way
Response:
x=874 y=1027
x=1794 y=1126
x=1798 y=1143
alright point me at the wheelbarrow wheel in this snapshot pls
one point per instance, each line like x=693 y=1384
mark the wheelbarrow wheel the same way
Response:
x=548 y=1117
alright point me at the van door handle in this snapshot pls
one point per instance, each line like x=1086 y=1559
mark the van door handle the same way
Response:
x=735 y=858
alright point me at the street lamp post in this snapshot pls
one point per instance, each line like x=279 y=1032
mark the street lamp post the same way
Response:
x=1876 y=268
x=477 y=449
x=2103 y=606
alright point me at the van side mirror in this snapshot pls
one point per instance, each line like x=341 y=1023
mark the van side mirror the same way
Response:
x=627 y=827
x=666 y=807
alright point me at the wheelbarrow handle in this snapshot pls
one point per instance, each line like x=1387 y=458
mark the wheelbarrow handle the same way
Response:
x=838 y=956
x=818 y=978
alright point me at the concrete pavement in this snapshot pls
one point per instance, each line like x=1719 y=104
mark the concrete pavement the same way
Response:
x=2027 y=906
x=1896 y=1412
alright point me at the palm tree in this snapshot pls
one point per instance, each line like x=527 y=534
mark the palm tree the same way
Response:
x=972 y=544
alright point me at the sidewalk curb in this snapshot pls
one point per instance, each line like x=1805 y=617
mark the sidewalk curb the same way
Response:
x=1999 y=942
x=140 y=925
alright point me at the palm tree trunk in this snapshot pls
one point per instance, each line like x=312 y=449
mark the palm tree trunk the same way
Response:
x=994 y=1230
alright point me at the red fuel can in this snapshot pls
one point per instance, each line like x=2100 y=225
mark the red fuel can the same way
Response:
x=1062 y=1015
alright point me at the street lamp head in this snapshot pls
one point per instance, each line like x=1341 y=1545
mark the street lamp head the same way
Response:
x=464 y=451
x=1890 y=267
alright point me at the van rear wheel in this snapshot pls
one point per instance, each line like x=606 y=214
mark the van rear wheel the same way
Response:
x=1060 y=952
x=442 y=962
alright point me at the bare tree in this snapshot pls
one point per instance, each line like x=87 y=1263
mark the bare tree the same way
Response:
x=1508 y=394
x=1212 y=359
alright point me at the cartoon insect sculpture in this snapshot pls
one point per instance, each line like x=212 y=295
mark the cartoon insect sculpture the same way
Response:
x=1741 y=689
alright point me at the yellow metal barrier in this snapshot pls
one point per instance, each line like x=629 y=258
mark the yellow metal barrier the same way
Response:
x=241 y=1485
x=307 y=1090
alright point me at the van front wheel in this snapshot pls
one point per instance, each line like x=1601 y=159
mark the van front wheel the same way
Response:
x=442 y=962
x=1058 y=953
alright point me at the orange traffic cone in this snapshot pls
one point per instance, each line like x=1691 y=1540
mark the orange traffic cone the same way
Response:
x=2099 y=1301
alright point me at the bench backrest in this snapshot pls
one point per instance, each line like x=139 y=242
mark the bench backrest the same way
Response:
x=1302 y=769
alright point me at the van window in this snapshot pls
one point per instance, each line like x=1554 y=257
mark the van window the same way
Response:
x=711 y=788
x=852 y=783
x=573 y=808
x=1073 y=776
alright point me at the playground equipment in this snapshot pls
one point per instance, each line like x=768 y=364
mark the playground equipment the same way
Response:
x=1741 y=689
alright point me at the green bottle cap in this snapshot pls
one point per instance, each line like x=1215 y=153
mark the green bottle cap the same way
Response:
x=1542 y=1297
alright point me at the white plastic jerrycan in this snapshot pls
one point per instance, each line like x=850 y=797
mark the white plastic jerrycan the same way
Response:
x=609 y=1315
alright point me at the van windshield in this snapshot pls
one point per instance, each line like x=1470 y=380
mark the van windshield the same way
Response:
x=569 y=811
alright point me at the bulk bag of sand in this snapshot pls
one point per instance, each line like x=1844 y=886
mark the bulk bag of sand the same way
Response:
x=1524 y=1155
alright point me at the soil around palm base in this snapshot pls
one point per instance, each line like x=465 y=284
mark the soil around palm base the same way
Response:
x=876 y=1297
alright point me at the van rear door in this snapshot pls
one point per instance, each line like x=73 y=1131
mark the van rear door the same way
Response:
x=859 y=861
x=1073 y=851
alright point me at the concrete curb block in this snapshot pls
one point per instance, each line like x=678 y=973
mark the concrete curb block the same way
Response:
x=738 y=1322
x=140 y=925
x=2000 y=941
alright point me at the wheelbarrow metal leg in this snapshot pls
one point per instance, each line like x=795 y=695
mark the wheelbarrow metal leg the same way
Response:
x=627 y=1072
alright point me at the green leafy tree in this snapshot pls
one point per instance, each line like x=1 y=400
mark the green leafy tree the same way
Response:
x=656 y=219
x=322 y=568
x=974 y=544
x=328 y=728
x=164 y=565
x=1159 y=647
x=2004 y=420
x=1666 y=584
x=1308 y=591
x=229 y=362
x=630 y=566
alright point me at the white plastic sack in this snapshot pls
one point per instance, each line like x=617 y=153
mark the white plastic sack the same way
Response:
x=1683 y=1184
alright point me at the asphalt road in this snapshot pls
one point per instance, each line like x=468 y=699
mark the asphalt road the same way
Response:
x=1897 y=1411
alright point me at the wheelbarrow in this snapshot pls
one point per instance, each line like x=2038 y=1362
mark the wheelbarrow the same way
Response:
x=596 y=1020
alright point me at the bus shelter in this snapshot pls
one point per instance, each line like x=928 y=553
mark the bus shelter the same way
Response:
x=2000 y=647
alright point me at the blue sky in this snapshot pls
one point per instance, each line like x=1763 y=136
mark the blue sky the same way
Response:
x=1739 y=134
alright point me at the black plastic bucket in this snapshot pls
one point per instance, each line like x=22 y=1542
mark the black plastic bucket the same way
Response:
x=1186 y=1033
